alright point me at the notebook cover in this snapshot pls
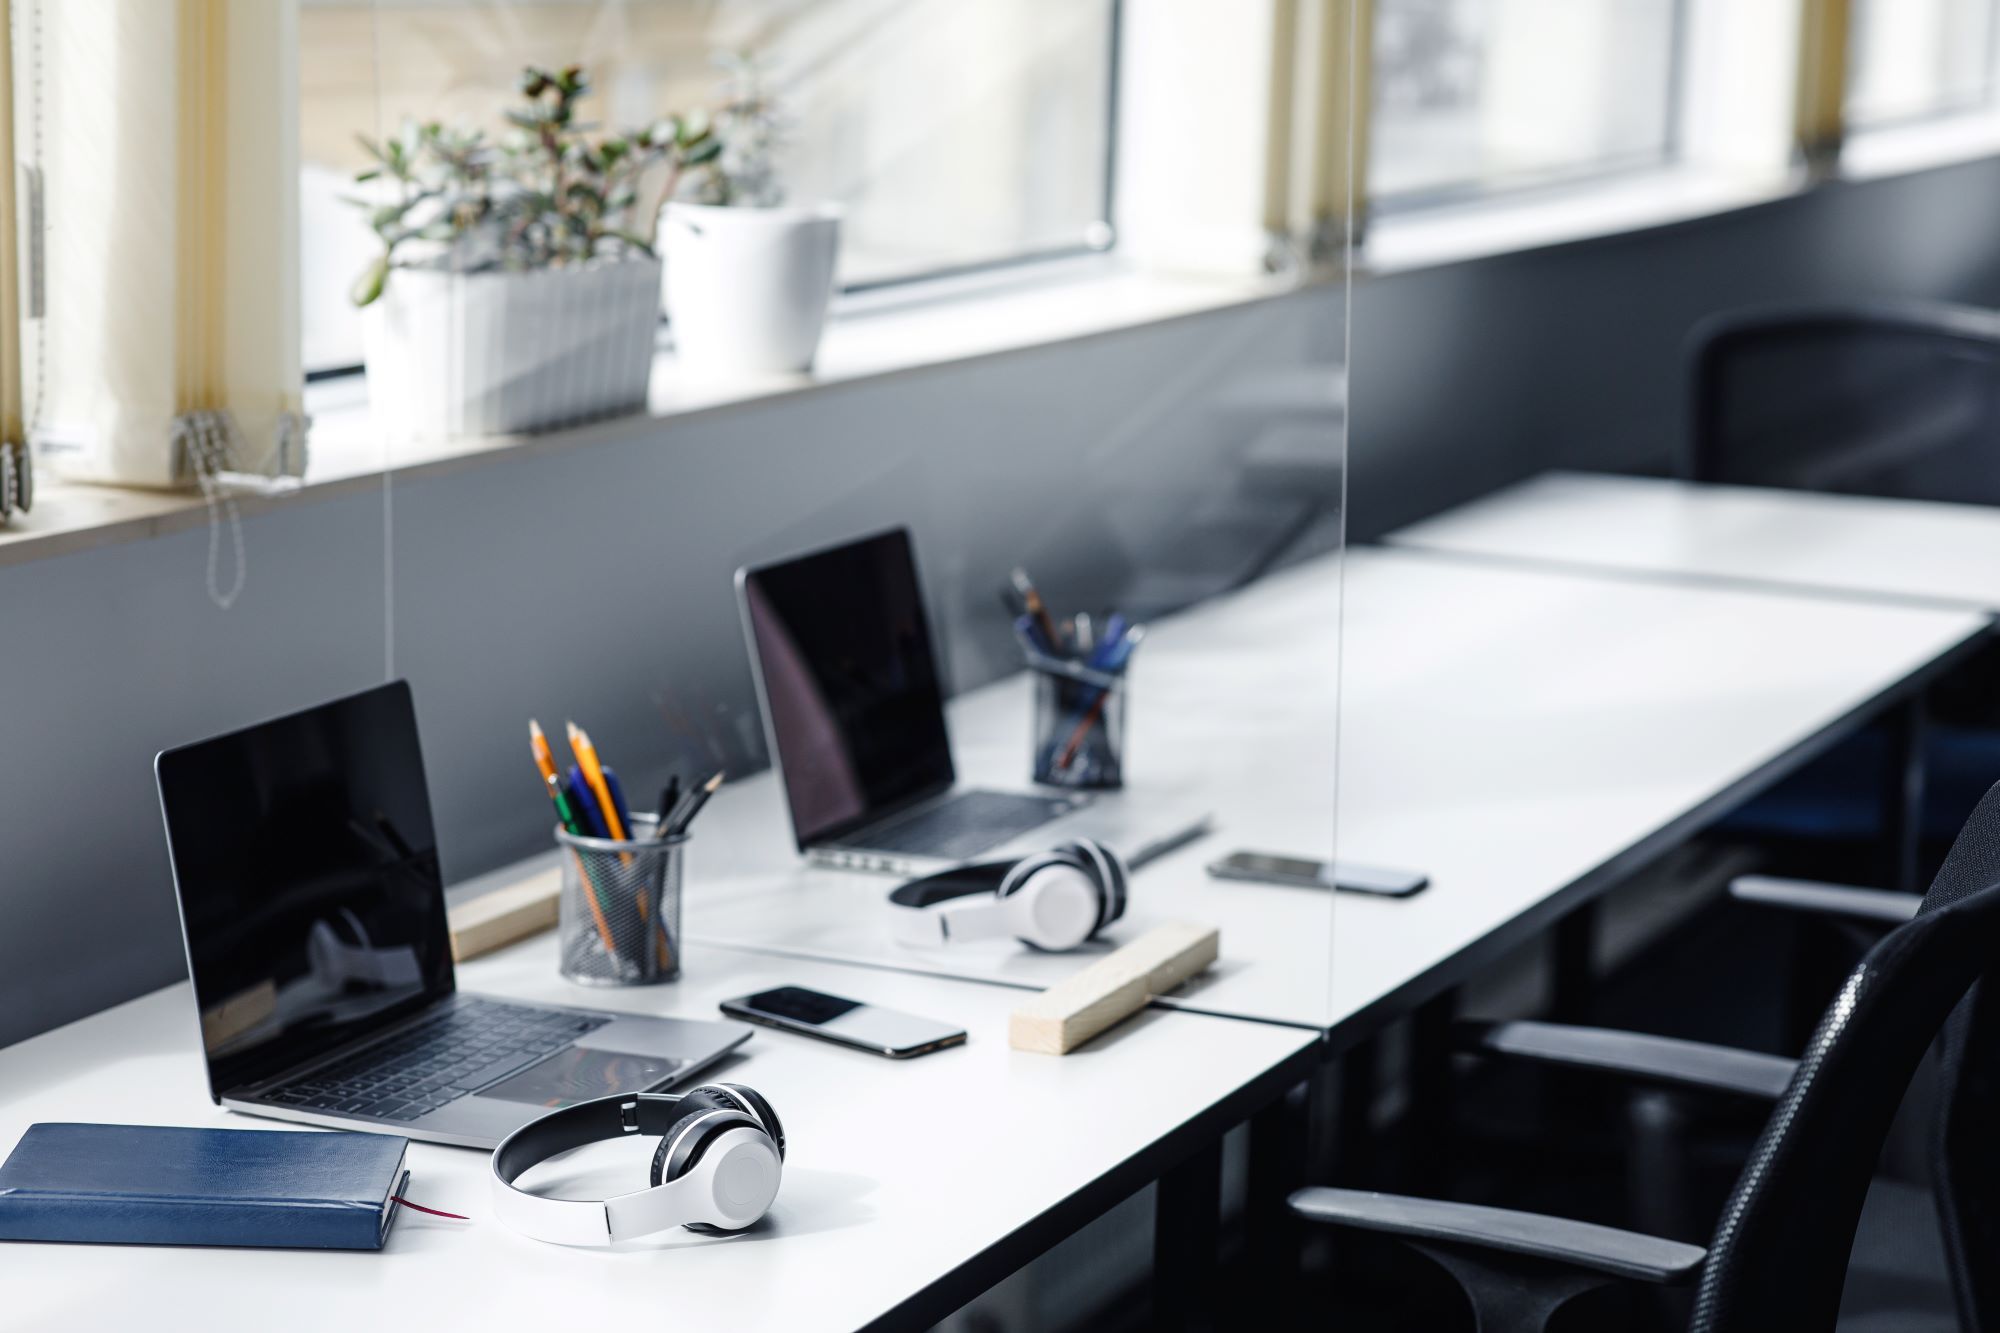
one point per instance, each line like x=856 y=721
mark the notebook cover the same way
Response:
x=154 y=1185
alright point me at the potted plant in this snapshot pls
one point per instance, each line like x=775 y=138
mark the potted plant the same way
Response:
x=514 y=291
x=747 y=278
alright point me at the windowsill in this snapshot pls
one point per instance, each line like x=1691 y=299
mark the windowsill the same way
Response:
x=955 y=321
x=1636 y=201
x=1920 y=145
x=869 y=337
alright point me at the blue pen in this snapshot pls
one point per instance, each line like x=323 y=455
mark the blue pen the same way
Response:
x=585 y=803
x=1115 y=630
x=1030 y=634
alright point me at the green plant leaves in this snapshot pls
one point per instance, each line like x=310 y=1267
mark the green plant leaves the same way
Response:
x=545 y=194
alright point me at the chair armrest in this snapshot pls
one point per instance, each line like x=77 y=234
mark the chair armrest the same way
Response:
x=1886 y=906
x=1626 y=1254
x=1668 y=1061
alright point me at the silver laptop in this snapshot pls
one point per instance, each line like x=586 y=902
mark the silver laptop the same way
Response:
x=854 y=712
x=312 y=907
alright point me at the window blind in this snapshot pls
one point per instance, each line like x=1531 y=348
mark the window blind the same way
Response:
x=16 y=475
x=160 y=145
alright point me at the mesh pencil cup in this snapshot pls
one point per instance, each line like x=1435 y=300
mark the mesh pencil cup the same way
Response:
x=620 y=909
x=1079 y=725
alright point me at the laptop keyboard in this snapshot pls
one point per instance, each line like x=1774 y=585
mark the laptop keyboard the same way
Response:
x=437 y=1061
x=965 y=825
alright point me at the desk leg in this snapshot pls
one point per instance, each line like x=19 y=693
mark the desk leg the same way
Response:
x=1186 y=1237
x=1430 y=1122
x=1903 y=796
x=1278 y=1136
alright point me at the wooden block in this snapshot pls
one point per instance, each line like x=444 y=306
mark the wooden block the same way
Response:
x=1112 y=989
x=494 y=920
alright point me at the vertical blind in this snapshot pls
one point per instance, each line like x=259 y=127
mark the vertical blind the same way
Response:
x=16 y=477
x=158 y=147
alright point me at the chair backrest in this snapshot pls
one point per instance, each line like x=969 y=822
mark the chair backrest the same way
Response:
x=1895 y=400
x=1780 y=1252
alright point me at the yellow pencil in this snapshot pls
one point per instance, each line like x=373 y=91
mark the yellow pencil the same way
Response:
x=593 y=774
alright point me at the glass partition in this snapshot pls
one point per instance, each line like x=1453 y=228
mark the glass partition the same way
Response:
x=1030 y=432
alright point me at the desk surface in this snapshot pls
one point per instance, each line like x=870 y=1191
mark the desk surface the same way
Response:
x=909 y=1186
x=1914 y=550
x=1522 y=736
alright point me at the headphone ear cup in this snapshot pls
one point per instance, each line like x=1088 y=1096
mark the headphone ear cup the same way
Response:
x=753 y=1103
x=680 y=1151
x=1058 y=906
x=1106 y=870
x=697 y=1101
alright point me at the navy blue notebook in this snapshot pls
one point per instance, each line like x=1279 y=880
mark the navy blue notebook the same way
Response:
x=153 y=1185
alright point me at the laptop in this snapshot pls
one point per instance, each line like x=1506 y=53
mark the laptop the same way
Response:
x=853 y=709
x=312 y=907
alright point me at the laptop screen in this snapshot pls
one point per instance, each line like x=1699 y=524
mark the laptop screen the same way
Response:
x=849 y=686
x=311 y=899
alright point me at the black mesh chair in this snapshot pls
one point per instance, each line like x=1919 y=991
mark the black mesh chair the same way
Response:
x=1900 y=400
x=1779 y=1256
x=1895 y=400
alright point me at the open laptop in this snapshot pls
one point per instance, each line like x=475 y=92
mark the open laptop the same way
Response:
x=854 y=711
x=312 y=906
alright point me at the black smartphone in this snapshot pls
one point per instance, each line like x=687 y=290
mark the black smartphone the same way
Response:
x=866 y=1027
x=1264 y=868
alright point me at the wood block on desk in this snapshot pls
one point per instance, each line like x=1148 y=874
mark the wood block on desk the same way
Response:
x=494 y=920
x=1112 y=989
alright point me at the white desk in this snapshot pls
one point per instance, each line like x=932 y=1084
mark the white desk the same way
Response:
x=1522 y=736
x=1914 y=550
x=909 y=1186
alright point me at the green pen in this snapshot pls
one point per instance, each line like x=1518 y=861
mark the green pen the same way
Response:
x=574 y=826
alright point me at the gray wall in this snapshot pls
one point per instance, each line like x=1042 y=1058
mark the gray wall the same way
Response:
x=592 y=580
x=1469 y=376
x=1123 y=468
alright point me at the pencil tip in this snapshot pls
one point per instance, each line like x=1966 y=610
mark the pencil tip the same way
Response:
x=715 y=782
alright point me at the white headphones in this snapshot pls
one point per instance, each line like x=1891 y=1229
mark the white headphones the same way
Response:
x=717 y=1168
x=1052 y=901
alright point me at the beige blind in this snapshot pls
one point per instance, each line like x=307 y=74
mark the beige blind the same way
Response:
x=15 y=490
x=1825 y=30
x=162 y=142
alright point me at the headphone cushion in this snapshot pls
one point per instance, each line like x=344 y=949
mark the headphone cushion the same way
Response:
x=701 y=1101
x=679 y=1151
x=753 y=1103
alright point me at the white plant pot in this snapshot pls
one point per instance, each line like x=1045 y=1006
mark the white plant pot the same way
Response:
x=497 y=353
x=746 y=288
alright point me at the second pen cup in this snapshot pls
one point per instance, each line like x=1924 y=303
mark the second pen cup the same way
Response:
x=621 y=907
x=1079 y=725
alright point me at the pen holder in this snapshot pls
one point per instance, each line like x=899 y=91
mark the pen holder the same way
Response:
x=1079 y=725
x=621 y=907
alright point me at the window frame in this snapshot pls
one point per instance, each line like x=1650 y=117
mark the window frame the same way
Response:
x=1395 y=203
x=1986 y=102
x=1105 y=226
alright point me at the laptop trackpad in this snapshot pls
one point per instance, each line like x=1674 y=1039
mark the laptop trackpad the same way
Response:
x=577 y=1074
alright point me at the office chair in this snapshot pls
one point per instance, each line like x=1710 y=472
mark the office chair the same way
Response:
x=1779 y=1256
x=1887 y=399
x=1899 y=400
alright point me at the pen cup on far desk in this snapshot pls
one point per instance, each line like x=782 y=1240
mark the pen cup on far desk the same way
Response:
x=621 y=907
x=1079 y=725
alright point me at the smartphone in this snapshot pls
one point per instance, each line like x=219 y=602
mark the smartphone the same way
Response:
x=1301 y=873
x=866 y=1027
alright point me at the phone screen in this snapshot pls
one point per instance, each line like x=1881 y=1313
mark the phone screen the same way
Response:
x=801 y=1005
x=850 y=1022
x=1281 y=867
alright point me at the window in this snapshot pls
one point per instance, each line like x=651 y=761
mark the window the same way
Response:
x=1915 y=59
x=953 y=133
x=1478 y=96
